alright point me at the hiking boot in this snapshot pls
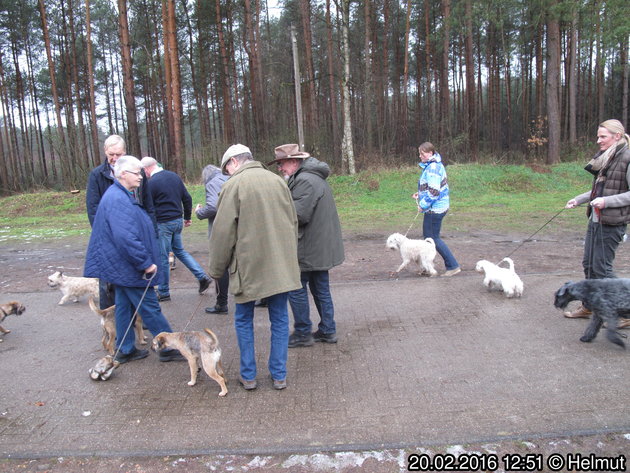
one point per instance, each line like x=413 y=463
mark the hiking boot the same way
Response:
x=217 y=309
x=248 y=385
x=170 y=354
x=164 y=297
x=325 y=337
x=204 y=284
x=297 y=340
x=579 y=313
x=451 y=272
x=136 y=354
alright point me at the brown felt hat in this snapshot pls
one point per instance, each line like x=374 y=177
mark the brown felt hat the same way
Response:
x=290 y=151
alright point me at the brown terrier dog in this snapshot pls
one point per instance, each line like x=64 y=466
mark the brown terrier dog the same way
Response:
x=108 y=322
x=10 y=308
x=199 y=348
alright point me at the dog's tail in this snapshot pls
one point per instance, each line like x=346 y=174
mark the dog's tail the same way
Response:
x=509 y=262
x=211 y=335
x=94 y=307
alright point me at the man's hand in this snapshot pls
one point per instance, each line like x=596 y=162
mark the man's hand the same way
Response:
x=187 y=223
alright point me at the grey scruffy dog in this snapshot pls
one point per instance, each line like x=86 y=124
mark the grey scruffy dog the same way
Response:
x=606 y=298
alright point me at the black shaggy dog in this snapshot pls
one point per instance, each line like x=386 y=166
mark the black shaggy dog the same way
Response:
x=606 y=298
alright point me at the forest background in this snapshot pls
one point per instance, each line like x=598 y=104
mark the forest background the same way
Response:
x=499 y=81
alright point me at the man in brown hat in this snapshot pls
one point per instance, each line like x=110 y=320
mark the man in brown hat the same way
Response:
x=254 y=233
x=320 y=246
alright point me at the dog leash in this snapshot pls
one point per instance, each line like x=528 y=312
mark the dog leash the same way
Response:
x=134 y=317
x=416 y=217
x=193 y=314
x=532 y=235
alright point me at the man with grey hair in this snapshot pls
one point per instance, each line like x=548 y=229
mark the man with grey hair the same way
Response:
x=254 y=234
x=171 y=200
x=123 y=249
x=99 y=180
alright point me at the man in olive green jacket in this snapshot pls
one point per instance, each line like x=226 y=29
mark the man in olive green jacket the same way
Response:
x=254 y=235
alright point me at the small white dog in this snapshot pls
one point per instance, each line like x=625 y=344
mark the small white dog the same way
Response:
x=504 y=279
x=73 y=287
x=422 y=252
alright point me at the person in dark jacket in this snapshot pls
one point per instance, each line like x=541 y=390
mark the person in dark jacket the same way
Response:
x=320 y=244
x=124 y=250
x=608 y=201
x=99 y=180
x=214 y=179
x=171 y=201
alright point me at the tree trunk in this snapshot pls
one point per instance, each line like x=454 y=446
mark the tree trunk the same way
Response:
x=445 y=105
x=312 y=113
x=572 y=79
x=553 y=89
x=228 y=125
x=331 y=83
x=347 y=148
x=133 y=141
x=90 y=75
x=473 y=134
x=368 y=112
x=176 y=91
x=53 y=81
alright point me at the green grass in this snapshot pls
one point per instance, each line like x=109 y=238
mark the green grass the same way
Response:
x=498 y=198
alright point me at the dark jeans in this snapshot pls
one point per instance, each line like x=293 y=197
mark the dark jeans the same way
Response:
x=222 y=285
x=106 y=294
x=431 y=227
x=318 y=282
x=600 y=247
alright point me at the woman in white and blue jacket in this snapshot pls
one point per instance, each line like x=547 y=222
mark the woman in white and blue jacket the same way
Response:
x=433 y=201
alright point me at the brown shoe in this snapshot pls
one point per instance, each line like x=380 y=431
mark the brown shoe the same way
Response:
x=579 y=313
x=623 y=323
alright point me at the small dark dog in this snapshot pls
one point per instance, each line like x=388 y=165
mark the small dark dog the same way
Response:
x=198 y=348
x=10 y=308
x=606 y=298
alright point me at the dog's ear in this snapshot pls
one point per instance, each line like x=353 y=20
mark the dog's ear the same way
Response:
x=564 y=289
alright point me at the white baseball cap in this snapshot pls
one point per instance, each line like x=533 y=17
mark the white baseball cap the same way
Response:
x=232 y=151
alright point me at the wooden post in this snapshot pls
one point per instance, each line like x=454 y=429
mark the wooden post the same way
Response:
x=298 y=89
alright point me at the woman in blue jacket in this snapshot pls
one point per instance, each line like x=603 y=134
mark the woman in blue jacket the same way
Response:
x=123 y=250
x=433 y=201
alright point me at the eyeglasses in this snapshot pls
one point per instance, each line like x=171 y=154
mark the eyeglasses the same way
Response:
x=137 y=173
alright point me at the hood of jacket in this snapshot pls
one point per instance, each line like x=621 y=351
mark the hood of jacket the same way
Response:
x=436 y=158
x=315 y=166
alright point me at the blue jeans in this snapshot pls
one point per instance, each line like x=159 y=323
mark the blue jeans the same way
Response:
x=600 y=246
x=170 y=234
x=431 y=227
x=127 y=299
x=318 y=282
x=244 y=324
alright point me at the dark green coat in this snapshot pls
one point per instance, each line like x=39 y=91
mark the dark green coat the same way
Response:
x=320 y=245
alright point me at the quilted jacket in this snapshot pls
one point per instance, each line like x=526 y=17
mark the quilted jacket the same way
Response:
x=123 y=241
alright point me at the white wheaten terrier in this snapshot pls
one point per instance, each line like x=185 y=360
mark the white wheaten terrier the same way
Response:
x=422 y=252
x=503 y=279
x=73 y=287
